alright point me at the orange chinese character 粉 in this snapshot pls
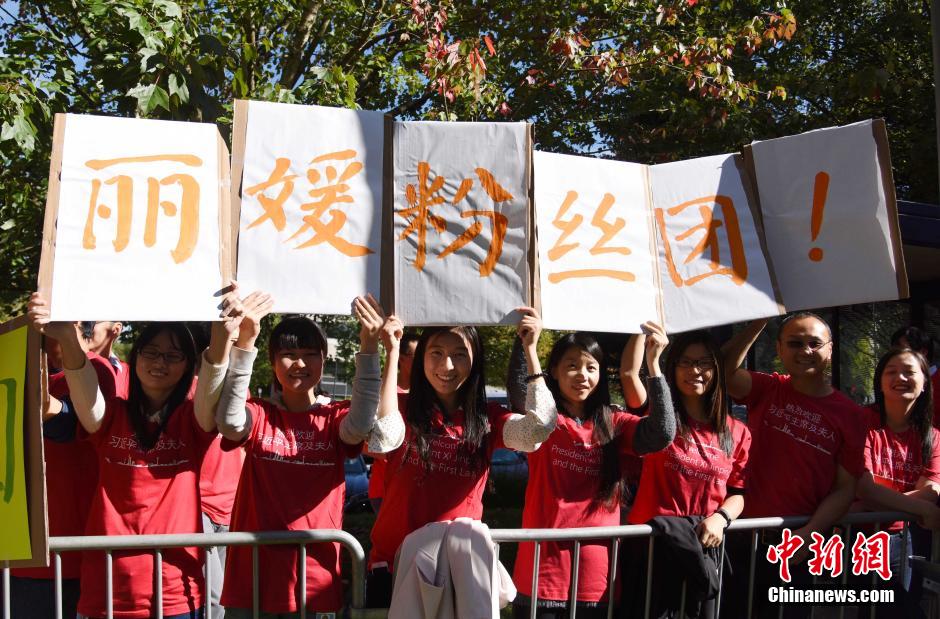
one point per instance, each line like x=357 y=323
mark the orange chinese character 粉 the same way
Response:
x=187 y=209
x=608 y=231
x=426 y=195
x=709 y=227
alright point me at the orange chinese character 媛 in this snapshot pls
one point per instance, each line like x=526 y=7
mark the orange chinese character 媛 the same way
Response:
x=333 y=192
x=274 y=207
x=608 y=231
x=710 y=225
x=187 y=209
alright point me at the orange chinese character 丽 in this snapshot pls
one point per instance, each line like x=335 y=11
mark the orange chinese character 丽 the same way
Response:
x=872 y=554
x=608 y=231
x=826 y=556
x=334 y=191
x=784 y=551
x=709 y=241
x=187 y=209
x=425 y=195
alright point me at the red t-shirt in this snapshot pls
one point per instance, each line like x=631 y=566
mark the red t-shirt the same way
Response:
x=72 y=473
x=218 y=481
x=692 y=475
x=445 y=488
x=896 y=461
x=798 y=443
x=293 y=479
x=564 y=477
x=142 y=493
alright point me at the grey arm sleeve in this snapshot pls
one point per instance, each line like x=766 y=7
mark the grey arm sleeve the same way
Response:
x=527 y=432
x=231 y=415
x=515 y=377
x=364 y=404
x=656 y=431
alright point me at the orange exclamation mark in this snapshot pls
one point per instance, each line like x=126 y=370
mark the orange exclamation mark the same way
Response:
x=820 y=191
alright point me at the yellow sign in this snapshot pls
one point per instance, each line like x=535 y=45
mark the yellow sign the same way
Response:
x=14 y=518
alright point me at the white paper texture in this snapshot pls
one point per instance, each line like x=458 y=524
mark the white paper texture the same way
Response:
x=595 y=246
x=146 y=246
x=460 y=223
x=850 y=260
x=311 y=206
x=712 y=268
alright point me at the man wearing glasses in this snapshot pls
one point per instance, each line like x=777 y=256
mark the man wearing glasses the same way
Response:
x=806 y=453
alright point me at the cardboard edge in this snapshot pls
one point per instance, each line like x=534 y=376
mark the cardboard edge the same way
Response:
x=534 y=289
x=236 y=172
x=744 y=161
x=47 y=252
x=226 y=234
x=654 y=248
x=883 y=149
x=36 y=389
x=387 y=267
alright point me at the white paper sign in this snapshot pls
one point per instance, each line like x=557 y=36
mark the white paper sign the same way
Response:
x=137 y=234
x=712 y=267
x=595 y=244
x=825 y=214
x=311 y=205
x=461 y=209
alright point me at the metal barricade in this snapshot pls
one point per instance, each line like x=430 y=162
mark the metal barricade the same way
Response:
x=357 y=609
x=157 y=543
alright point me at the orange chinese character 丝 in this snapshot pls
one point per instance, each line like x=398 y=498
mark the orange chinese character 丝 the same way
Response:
x=426 y=195
x=709 y=241
x=608 y=231
x=330 y=187
x=187 y=209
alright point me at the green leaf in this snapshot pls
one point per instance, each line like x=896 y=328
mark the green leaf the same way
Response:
x=178 y=87
x=150 y=97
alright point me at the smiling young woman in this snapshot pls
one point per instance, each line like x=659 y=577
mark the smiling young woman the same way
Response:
x=440 y=471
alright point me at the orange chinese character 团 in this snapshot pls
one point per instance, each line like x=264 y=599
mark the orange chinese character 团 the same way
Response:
x=187 y=209
x=608 y=231
x=333 y=192
x=709 y=226
x=427 y=194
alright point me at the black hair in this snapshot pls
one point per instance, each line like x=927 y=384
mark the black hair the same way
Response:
x=921 y=415
x=917 y=339
x=716 y=401
x=183 y=340
x=802 y=314
x=408 y=337
x=296 y=332
x=471 y=399
x=597 y=410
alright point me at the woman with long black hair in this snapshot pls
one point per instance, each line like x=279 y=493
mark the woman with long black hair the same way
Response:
x=701 y=473
x=575 y=477
x=150 y=445
x=440 y=471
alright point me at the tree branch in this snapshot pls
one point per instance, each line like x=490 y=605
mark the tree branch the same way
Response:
x=299 y=44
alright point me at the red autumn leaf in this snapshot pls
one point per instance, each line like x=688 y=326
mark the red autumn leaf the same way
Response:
x=489 y=44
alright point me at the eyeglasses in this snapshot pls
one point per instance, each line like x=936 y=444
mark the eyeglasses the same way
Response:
x=152 y=354
x=812 y=345
x=703 y=365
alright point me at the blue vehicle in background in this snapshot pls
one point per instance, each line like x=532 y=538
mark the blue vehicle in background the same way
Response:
x=357 y=485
